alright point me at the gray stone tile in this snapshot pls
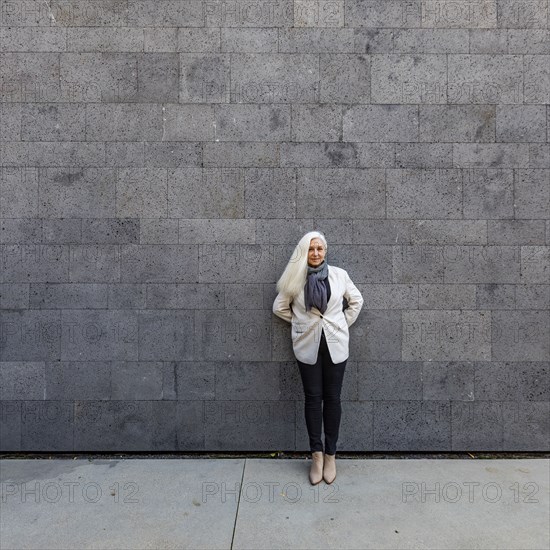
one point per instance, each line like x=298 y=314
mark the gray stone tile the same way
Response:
x=436 y=335
x=412 y=425
x=253 y=122
x=456 y=123
x=270 y=192
x=409 y=79
x=99 y=335
x=22 y=380
x=233 y=335
x=345 y=78
x=522 y=335
x=68 y=296
x=381 y=123
x=424 y=193
x=78 y=380
x=448 y=381
x=340 y=192
x=158 y=263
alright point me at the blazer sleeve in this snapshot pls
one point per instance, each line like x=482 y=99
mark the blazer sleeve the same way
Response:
x=281 y=307
x=354 y=299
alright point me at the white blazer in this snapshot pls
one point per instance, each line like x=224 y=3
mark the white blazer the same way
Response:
x=307 y=325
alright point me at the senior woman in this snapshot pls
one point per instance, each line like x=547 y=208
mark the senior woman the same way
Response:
x=310 y=297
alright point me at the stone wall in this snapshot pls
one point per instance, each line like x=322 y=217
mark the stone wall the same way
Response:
x=159 y=161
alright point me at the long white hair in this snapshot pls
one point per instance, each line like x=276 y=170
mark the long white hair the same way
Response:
x=294 y=277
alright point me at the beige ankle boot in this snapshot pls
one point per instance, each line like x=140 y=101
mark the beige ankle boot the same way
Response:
x=316 y=471
x=329 y=468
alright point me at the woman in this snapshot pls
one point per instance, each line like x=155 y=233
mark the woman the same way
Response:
x=310 y=297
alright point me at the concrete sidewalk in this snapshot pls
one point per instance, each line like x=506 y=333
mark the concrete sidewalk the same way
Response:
x=268 y=503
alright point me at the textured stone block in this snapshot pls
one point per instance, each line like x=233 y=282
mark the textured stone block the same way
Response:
x=37 y=39
x=316 y=123
x=520 y=335
x=104 y=40
x=259 y=40
x=441 y=296
x=433 y=41
x=217 y=13
x=315 y=40
x=217 y=231
x=169 y=13
x=185 y=296
x=381 y=381
x=53 y=122
x=448 y=381
x=68 y=296
x=435 y=335
x=21 y=231
x=520 y=123
x=412 y=425
x=206 y=193
x=78 y=380
x=22 y=380
x=93 y=263
x=124 y=122
x=342 y=192
x=424 y=193
x=243 y=154
x=526 y=426
x=491 y=155
x=532 y=194
x=381 y=123
x=158 y=263
x=137 y=380
x=245 y=381
x=236 y=335
x=270 y=192
x=515 y=232
x=14 y=296
x=204 y=78
x=274 y=78
x=356 y=431
x=47 y=425
x=488 y=193
x=35 y=263
x=99 y=335
x=323 y=13
x=383 y=13
x=10 y=122
x=252 y=123
x=345 y=78
x=128 y=425
x=166 y=335
x=482 y=264
x=29 y=77
x=483 y=78
x=477 y=425
x=456 y=123
x=407 y=78
x=249 y=425
x=142 y=192
x=323 y=155
x=489 y=41
x=10 y=426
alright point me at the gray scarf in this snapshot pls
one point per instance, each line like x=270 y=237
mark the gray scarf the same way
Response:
x=315 y=290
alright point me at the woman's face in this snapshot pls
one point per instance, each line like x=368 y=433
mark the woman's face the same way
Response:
x=316 y=253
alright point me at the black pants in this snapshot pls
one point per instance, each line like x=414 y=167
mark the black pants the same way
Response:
x=323 y=382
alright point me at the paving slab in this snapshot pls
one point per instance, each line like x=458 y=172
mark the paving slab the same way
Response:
x=376 y=504
x=269 y=504
x=116 y=504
